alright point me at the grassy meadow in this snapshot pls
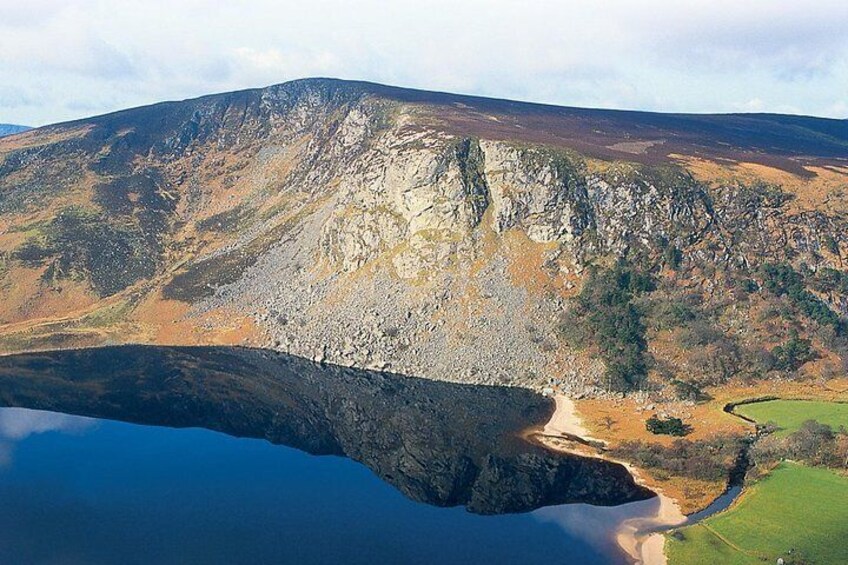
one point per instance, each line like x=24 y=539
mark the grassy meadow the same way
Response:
x=795 y=508
x=790 y=414
x=796 y=512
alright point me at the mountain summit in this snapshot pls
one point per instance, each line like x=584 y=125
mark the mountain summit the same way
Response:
x=438 y=235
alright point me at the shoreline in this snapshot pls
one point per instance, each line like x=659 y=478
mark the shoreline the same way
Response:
x=639 y=538
x=565 y=423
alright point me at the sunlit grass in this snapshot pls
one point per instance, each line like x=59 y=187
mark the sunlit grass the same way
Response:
x=796 y=512
x=790 y=414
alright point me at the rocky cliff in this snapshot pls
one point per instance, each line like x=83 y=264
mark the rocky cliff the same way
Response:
x=430 y=234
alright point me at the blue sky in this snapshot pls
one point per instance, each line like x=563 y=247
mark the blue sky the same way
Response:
x=64 y=59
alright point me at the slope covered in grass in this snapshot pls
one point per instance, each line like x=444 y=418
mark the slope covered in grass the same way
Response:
x=795 y=508
x=790 y=414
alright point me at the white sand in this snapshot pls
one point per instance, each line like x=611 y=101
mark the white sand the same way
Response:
x=565 y=421
x=653 y=550
x=635 y=536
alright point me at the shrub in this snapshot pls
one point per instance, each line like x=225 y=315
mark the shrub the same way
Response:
x=698 y=333
x=672 y=257
x=783 y=280
x=760 y=359
x=667 y=426
x=689 y=391
x=793 y=354
x=665 y=314
x=33 y=251
x=827 y=279
x=716 y=363
x=87 y=243
x=604 y=314
x=814 y=444
x=748 y=286
x=709 y=460
x=573 y=330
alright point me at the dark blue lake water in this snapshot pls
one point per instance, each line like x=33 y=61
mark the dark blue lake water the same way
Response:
x=85 y=491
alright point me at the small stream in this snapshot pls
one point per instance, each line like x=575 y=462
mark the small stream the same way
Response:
x=737 y=473
x=736 y=478
x=645 y=528
x=721 y=503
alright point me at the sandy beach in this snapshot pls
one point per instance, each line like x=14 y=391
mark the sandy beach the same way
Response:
x=564 y=422
x=638 y=537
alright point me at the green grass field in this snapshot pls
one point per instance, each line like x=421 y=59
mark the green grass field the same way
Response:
x=794 y=507
x=790 y=414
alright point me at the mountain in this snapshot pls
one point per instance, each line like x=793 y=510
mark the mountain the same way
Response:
x=443 y=236
x=10 y=129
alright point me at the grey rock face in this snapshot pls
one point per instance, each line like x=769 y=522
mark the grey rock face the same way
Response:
x=538 y=191
x=398 y=253
x=371 y=227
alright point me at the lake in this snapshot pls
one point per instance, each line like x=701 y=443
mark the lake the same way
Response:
x=333 y=465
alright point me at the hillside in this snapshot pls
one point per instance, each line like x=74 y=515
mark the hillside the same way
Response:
x=436 y=235
x=9 y=129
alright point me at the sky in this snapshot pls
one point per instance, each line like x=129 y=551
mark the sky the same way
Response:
x=66 y=59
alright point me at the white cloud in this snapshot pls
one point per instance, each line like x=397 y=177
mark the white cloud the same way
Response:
x=752 y=105
x=20 y=423
x=266 y=63
x=839 y=108
x=68 y=58
x=17 y=424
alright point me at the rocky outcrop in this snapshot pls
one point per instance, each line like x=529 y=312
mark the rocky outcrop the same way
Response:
x=541 y=192
x=433 y=235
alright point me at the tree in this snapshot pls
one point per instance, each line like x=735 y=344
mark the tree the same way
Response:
x=668 y=426
x=813 y=442
x=608 y=422
x=606 y=309
x=672 y=257
x=793 y=354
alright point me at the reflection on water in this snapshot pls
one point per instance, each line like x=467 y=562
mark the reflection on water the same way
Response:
x=20 y=423
x=123 y=493
x=596 y=525
x=205 y=497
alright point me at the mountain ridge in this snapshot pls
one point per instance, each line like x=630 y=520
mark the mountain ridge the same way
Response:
x=788 y=131
x=413 y=94
x=11 y=129
x=391 y=228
